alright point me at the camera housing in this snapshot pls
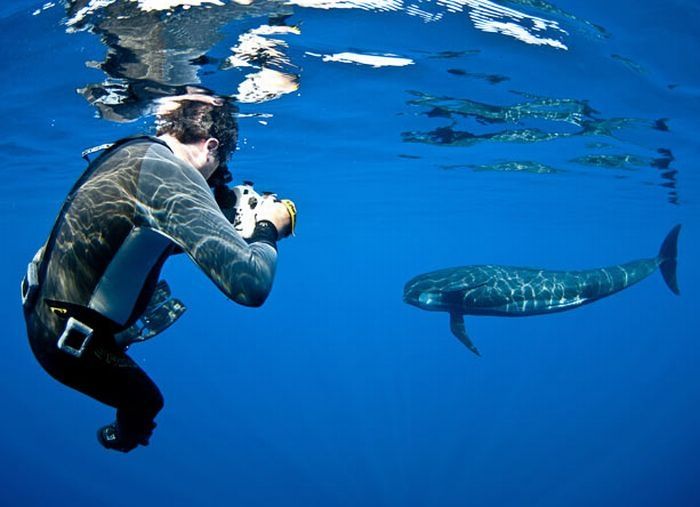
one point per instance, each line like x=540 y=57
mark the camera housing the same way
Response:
x=245 y=209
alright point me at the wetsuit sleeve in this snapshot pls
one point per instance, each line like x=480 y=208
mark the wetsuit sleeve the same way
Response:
x=176 y=201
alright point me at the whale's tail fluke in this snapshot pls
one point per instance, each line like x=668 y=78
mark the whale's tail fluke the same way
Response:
x=667 y=259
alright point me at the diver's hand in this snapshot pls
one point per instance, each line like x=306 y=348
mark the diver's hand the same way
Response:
x=276 y=212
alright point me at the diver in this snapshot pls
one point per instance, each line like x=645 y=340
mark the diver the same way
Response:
x=143 y=199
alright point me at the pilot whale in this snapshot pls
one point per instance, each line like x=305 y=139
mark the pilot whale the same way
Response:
x=517 y=292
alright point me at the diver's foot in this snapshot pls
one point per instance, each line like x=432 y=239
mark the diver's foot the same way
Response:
x=110 y=438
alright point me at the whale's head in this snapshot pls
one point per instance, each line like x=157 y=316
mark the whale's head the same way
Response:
x=421 y=292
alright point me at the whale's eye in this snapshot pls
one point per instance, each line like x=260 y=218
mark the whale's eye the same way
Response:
x=429 y=298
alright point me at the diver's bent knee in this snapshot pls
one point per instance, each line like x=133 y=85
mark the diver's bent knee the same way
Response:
x=158 y=402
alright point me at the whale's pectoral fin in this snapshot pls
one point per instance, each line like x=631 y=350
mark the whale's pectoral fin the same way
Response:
x=458 y=329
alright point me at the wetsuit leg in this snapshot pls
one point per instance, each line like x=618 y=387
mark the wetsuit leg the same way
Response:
x=106 y=374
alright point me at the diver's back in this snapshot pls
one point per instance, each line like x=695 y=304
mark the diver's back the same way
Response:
x=99 y=216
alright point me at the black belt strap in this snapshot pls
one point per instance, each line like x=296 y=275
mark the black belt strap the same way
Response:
x=88 y=316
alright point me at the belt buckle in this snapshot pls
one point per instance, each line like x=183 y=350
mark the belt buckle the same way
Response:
x=75 y=337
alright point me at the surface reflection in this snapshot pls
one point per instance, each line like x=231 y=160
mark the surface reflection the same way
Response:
x=156 y=48
x=537 y=120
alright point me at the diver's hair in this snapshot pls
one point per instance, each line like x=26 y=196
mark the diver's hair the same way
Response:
x=195 y=120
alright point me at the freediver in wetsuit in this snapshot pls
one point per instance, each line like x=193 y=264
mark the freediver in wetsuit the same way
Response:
x=136 y=204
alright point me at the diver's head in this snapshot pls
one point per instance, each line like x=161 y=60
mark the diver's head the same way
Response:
x=201 y=120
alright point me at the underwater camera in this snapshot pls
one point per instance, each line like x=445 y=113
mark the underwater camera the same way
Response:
x=248 y=202
x=241 y=204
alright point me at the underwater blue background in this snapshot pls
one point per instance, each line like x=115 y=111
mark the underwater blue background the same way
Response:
x=336 y=393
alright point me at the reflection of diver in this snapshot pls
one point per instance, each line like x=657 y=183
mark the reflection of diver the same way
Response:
x=139 y=202
x=154 y=52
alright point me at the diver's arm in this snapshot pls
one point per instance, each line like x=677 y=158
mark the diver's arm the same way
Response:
x=177 y=203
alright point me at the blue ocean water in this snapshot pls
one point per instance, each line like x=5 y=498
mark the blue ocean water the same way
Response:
x=413 y=137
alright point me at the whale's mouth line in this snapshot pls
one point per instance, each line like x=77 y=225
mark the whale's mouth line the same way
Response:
x=413 y=298
x=423 y=300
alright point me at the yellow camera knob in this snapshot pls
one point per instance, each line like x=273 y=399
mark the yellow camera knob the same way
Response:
x=292 y=209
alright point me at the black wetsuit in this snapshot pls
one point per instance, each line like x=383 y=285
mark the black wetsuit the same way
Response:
x=135 y=205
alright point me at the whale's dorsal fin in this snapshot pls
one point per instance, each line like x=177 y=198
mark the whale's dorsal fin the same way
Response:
x=458 y=329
